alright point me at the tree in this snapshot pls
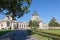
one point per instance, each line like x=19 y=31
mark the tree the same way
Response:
x=15 y=8
x=33 y=24
x=30 y=24
x=53 y=23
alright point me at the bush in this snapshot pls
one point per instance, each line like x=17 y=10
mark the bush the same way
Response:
x=30 y=32
x=4 y=32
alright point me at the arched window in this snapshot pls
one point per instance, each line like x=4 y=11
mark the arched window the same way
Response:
x=1 y=25
x=8 y=23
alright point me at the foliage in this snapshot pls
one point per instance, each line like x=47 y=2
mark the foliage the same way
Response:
x=30 y=32
x=53 y=23
x=33 y=24
x=30 y=24
x=4 y=32
x=15 y=8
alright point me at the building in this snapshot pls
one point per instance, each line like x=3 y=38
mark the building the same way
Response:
x=9 y=23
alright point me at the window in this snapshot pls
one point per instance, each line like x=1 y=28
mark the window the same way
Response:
x=8 y=23
x=2 y=28
x=24 y=25
x=20 y=25
x=1 y=25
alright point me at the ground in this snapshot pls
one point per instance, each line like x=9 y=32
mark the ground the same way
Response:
x=18 y=35
x=15 y=35
x=23 y=35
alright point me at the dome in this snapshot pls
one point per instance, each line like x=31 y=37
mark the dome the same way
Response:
x=35 y=17
x=35 y=14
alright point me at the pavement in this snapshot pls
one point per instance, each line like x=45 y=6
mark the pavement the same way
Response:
x=17 y=35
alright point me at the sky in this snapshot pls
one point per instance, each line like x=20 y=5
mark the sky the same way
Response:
x=46 y=9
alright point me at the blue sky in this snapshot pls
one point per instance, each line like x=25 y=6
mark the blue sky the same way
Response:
x=46 y=9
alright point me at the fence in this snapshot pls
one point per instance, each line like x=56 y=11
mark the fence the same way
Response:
x=53 y=27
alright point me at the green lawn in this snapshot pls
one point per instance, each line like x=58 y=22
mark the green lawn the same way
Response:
x=52 y=34
x=38 y=37
x=52 y=31
x=4 y=32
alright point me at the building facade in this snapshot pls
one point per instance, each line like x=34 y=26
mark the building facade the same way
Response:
x=9 y=23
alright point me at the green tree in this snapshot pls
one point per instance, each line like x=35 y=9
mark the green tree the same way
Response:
x=33 y=24
x=30 y=24
x=53 y=23
x=15 y=8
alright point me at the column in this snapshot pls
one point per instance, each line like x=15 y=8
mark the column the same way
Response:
x=11 y=25
x=24 y=26
x=40 y=26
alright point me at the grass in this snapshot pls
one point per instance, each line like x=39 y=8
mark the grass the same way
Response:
x=4 y=32
x=38 y=37
x=52 y=31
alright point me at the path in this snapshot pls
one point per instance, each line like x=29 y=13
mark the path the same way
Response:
x=18 y=35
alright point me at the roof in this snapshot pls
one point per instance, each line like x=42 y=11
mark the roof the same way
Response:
x=35 y=14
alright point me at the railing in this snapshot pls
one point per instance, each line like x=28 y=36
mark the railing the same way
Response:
x=53 y=27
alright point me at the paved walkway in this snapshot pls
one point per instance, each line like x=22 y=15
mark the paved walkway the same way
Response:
x=17 y=35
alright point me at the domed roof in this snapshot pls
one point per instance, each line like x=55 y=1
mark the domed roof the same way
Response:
x=35 y=14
